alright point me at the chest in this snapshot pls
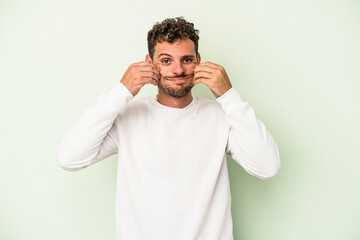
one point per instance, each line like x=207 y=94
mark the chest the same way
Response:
x=173 y=145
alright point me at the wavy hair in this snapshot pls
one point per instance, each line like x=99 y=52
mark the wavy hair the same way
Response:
x=171 y=30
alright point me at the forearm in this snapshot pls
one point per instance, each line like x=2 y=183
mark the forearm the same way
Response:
x=249 y=144
x=90 y=139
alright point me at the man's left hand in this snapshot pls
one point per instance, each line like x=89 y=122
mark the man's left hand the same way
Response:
x=214 y=76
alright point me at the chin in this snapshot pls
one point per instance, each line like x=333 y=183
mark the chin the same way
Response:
x=176 y=92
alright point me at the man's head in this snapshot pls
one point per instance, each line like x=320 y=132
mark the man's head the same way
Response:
x=173 y=48
x=171 y=30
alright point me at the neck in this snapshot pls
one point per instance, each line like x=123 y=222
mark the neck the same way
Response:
x=173 y=102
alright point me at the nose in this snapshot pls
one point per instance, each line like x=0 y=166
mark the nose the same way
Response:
x=178 y=68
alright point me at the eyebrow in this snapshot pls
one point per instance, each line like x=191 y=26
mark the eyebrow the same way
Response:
x=164 y=54
x=168 y=55
x=188 y=56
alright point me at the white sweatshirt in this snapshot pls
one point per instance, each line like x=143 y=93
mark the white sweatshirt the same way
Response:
x=172 y=176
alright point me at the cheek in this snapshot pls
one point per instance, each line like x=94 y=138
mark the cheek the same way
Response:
x=164 y=70
x=191 y=67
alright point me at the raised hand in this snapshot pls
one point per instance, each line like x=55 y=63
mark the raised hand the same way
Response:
x=139 y=74
x=214 y=76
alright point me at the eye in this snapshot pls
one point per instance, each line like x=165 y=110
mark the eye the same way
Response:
x=165 y=61
x=188 y=60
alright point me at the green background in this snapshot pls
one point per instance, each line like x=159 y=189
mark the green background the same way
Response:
x=296 y=62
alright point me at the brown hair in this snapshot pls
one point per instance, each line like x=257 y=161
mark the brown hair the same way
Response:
x=170 y=30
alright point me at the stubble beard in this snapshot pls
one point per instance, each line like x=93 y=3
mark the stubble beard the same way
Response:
x=176 y=92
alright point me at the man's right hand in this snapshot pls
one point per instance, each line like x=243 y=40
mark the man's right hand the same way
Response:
x=139 y=74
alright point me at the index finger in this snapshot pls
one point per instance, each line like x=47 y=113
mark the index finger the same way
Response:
x=156 y=69
x=149 y=67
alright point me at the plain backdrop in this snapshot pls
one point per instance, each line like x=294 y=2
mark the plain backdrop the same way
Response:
x=297 y=62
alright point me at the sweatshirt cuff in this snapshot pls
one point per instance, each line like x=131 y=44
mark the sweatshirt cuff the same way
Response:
x=120 y=91
x=231 y=102
x=117 y=97
x=230 y=97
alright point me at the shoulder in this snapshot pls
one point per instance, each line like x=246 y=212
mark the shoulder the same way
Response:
x=140 y=104
x=210 y=111
x=135 y=107
x=208 y=104
x=209 y=107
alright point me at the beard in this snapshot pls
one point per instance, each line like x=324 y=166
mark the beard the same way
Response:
x=180 y=90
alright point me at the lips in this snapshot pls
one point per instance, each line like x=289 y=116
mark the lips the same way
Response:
x=180 y=79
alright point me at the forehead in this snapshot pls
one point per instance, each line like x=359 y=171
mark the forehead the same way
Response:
x=176 y=49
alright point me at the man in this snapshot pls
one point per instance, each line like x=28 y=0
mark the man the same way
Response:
x=172 y=177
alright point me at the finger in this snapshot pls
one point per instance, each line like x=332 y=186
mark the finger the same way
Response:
x=155 y=69
x=146 y=68
x=153 y=66
x=149 y=80
x=200 y=80
x=205 y=68
x=150 y=75
x=143 y=66
x=138 y=65
x=205 y=75
x=143 y=63
x=212 y=65
x=198 y=70
x=150 y=69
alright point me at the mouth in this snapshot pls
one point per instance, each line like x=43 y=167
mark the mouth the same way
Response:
x=180 y=79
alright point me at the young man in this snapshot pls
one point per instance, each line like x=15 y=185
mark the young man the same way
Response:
x=172 y=177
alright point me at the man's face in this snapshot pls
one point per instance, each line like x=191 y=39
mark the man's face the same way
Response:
x=177 y=62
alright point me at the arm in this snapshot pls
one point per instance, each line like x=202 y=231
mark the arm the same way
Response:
x=95 y=136
x=249 y=143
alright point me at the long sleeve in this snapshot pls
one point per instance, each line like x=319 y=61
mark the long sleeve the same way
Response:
x=249 y=143
x=94 y=137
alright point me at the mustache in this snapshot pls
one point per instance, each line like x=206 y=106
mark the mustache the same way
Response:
x=179 y=76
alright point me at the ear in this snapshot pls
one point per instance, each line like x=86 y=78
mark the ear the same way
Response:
x=148 y=58
x=198 y=58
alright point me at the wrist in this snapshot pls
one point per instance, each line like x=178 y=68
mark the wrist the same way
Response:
x=128 y=87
